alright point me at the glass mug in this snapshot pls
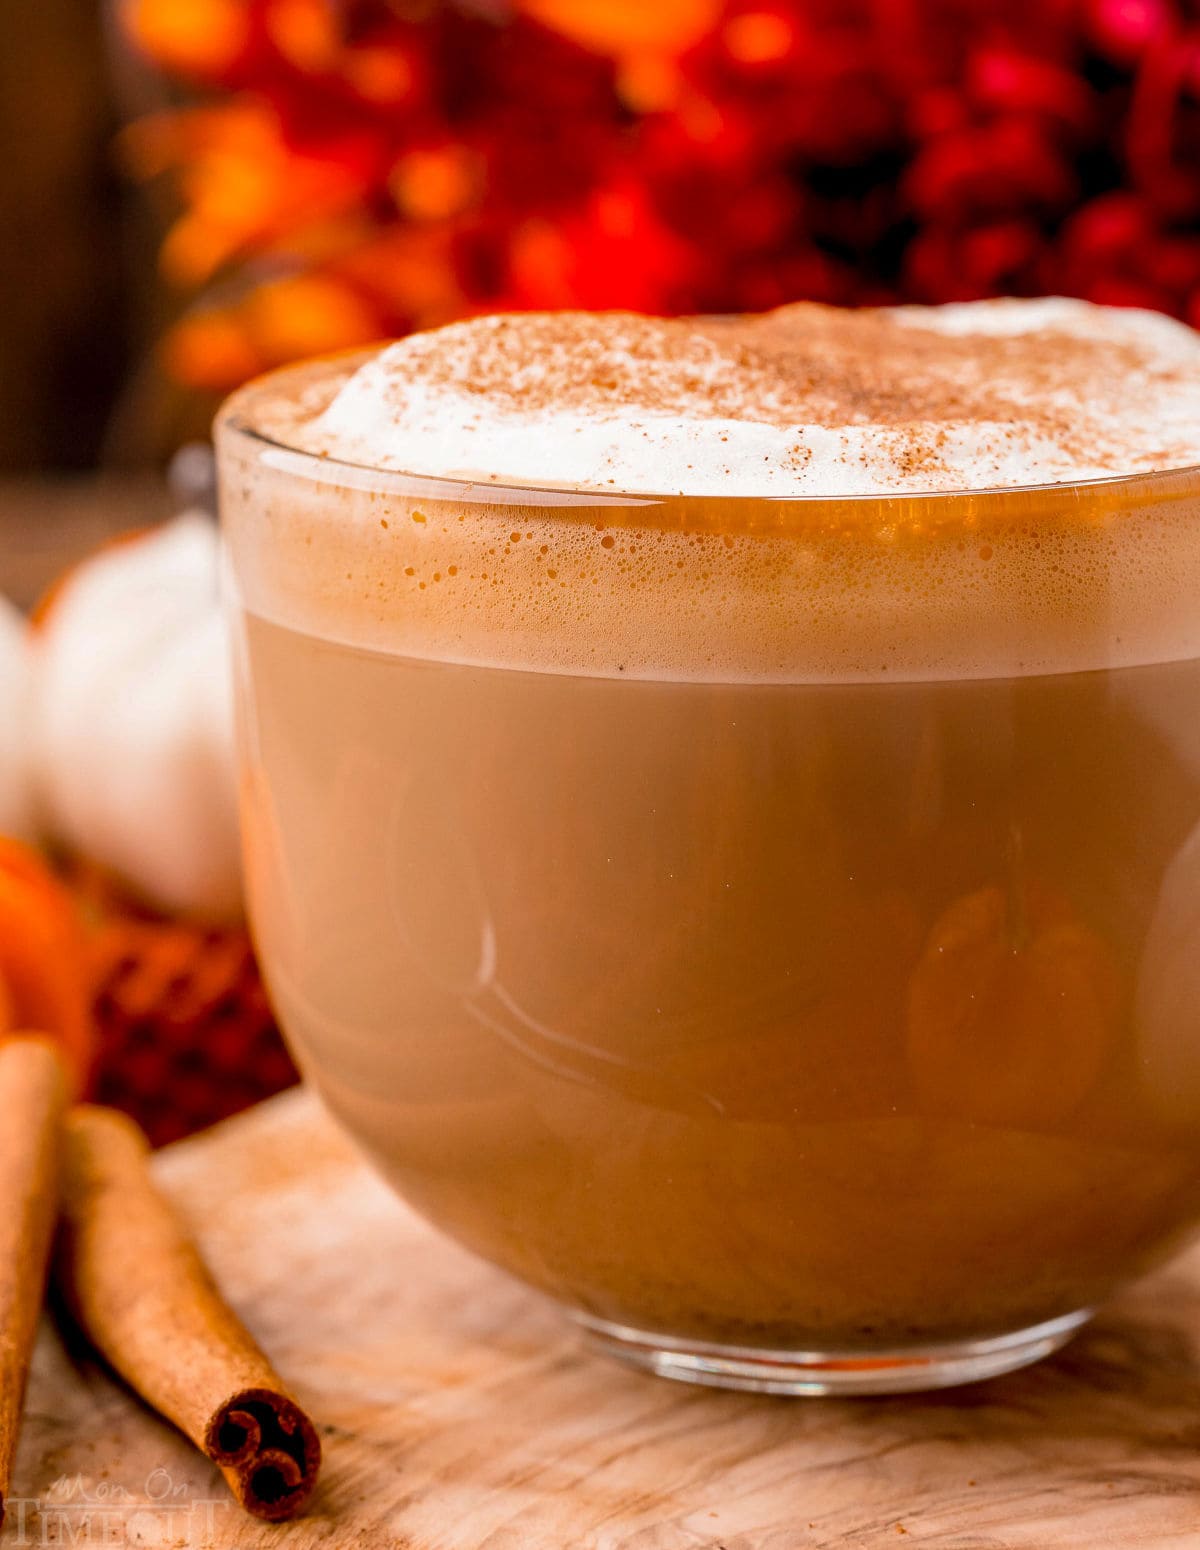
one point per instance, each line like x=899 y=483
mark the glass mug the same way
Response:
x=768 y=927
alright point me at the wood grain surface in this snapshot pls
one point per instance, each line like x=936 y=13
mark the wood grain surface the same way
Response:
x=458 y=1411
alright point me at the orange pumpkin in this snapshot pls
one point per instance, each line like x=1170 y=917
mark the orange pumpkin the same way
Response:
x=44 y=976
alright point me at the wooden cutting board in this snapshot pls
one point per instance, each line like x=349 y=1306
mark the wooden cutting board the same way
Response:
x=458 y=1411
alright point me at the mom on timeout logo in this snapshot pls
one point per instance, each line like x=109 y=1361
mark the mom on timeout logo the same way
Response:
x=77 y=1511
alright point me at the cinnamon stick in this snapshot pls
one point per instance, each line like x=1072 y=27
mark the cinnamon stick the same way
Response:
x=33 y=1095
x=144 y=1298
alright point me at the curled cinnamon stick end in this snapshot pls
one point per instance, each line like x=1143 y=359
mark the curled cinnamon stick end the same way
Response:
x=33 y=1095
x=141 y=1294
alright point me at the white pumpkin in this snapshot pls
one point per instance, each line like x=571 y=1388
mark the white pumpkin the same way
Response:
x=15 y=765
x=133 y=719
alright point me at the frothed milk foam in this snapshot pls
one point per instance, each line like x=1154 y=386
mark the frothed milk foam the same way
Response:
x=807 y=400
x=731 y=916
x=849 y=410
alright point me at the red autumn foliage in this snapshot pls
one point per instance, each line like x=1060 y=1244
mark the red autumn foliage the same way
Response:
x=368 y=168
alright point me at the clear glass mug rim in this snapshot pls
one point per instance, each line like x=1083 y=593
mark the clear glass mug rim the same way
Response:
x=989 y=502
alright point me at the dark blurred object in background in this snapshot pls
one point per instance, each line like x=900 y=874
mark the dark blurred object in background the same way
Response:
x=66 y=318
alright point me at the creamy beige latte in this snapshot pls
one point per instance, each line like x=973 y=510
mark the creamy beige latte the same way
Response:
x=721 y=806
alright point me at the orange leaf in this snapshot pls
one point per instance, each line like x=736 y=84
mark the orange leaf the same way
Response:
x=436 y=183
x=306 y=32
x=246 y=187
x=210 y=350
x=759 y=37
x=307 y=314
x=382 y=75
x=627 y=26
x=194 y=37
x=1012 y=1010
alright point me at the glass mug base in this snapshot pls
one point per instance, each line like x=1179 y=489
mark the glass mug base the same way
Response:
x=831 y=1373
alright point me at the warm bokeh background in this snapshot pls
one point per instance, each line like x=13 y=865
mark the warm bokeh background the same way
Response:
x=341 y=169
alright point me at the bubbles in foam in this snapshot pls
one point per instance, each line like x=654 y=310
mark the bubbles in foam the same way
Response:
x=835 y=590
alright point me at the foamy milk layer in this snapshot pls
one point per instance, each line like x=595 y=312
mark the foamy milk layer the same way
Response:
x=807 y=400
x=872 y=582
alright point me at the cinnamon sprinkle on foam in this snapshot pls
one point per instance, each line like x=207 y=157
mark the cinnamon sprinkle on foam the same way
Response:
x=804 y=400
